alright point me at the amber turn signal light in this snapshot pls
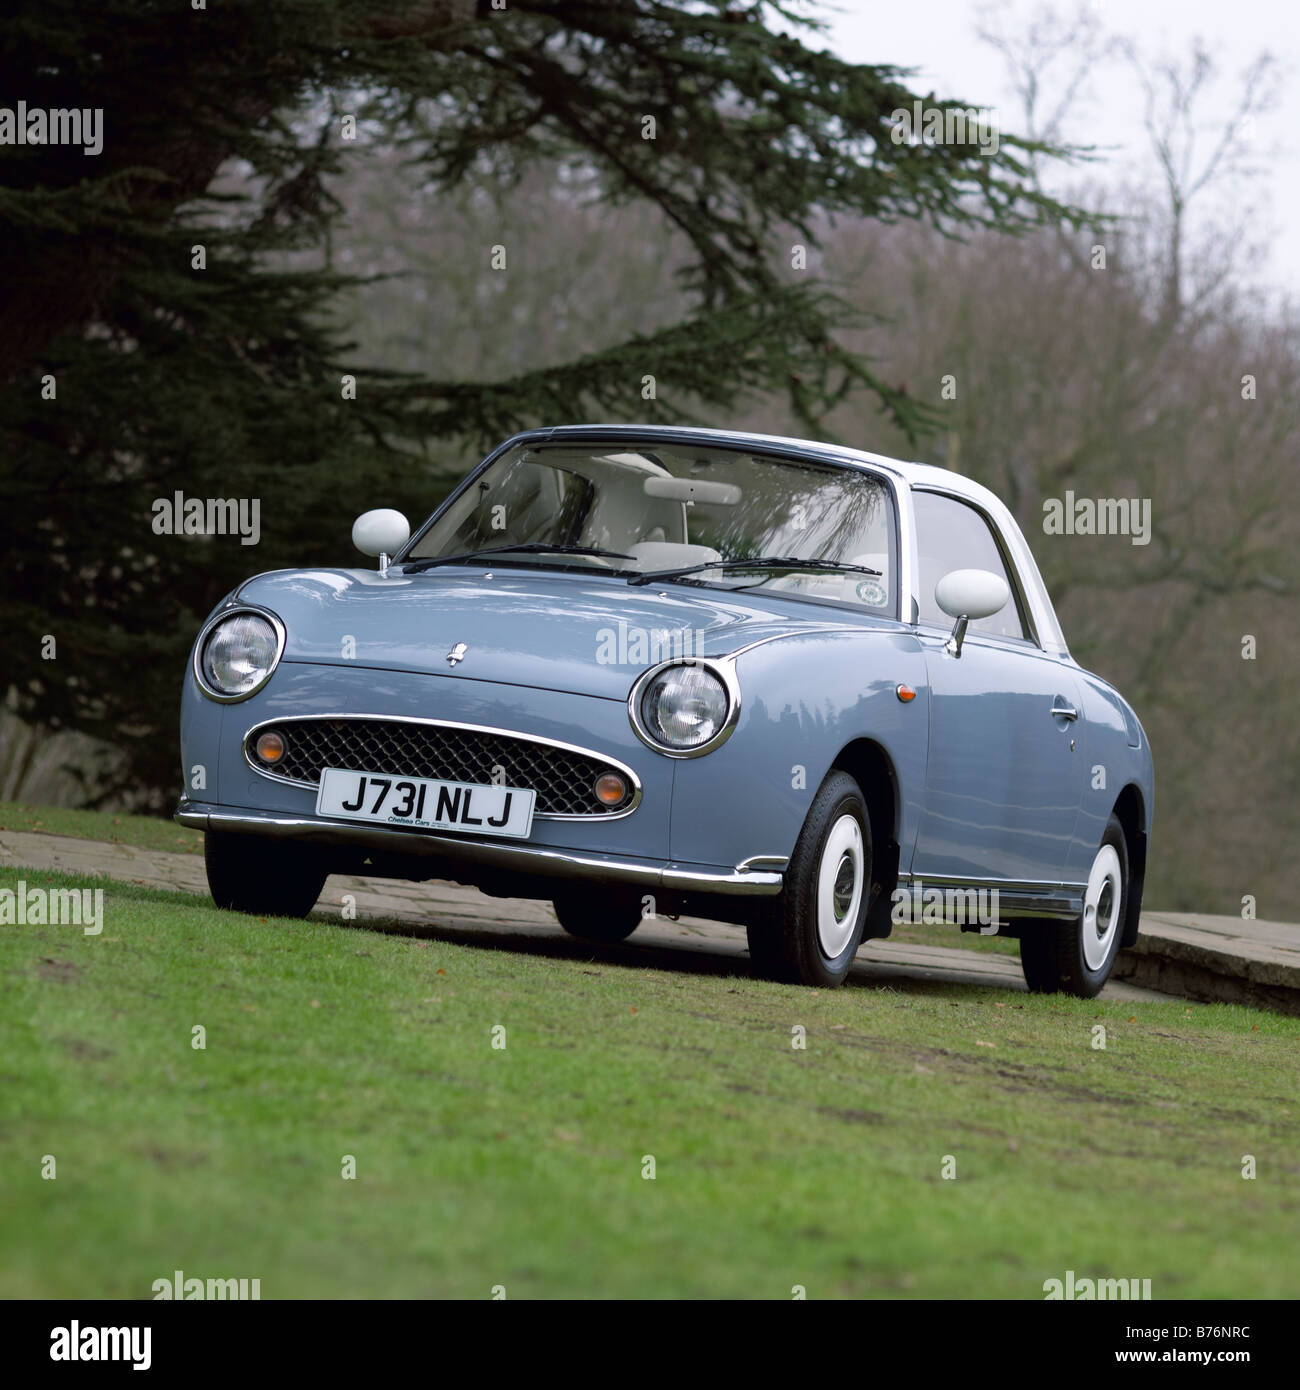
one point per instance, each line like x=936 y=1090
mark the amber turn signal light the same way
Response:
x=270 y=747
x=905 y=693
x=610 y=789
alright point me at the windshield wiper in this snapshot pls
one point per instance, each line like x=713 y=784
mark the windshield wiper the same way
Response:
x=760 y=562
x=527 y=548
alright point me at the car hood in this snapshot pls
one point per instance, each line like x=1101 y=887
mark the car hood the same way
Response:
x=556 y=630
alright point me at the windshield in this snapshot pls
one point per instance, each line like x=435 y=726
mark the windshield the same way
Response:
x=665 y=507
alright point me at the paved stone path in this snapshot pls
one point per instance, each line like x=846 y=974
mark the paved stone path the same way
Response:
x=451 y=912
x=1217 y=958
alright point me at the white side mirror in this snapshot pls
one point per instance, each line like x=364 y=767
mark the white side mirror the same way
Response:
x=382 y=532
x=967 y=594
x=971 y=594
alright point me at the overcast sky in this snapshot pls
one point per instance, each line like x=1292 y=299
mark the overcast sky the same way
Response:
x=937 y=37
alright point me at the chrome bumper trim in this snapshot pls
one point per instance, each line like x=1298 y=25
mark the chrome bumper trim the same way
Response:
x=541 y=860
x=778 y=863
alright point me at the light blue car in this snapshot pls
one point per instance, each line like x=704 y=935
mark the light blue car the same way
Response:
x=646 y=670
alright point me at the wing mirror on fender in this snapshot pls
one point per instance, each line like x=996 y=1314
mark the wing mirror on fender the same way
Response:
x=967 y=594
x=382 y=532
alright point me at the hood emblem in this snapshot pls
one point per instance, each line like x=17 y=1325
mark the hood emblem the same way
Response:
x=457 y=653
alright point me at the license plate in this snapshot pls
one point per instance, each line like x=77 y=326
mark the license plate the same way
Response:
x=424 y=804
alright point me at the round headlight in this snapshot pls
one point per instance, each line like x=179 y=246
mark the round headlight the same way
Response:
x=684 y=707
x=240 y=654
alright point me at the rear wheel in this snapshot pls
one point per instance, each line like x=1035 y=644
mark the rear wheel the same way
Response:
x=269 y=878
x=810 y=933
x=1077 y=957
x=598 y=914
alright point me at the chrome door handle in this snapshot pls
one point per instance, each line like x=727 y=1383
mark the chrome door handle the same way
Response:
x=1064 y=712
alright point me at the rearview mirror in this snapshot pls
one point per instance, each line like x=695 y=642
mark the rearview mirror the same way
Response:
x=967 y=594
x=692 y=490
x=382 y=532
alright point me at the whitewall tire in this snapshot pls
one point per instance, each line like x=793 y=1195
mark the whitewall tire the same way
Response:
x=1077 y=957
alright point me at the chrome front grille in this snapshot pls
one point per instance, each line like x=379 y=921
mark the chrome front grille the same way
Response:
x=561 y=776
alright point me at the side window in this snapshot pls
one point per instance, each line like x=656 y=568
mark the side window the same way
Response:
x=950 y=535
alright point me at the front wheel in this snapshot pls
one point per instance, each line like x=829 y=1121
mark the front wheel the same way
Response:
x=598 y=914
x=268 y=878
x=811 y=932
x=1077 y=957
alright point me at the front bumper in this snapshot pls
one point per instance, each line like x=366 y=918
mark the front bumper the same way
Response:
x=530 y=860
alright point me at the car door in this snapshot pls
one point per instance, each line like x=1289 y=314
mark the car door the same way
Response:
x=1004 y=779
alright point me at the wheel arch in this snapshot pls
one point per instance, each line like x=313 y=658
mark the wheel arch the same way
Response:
x=868 y=763
x=1130 y=810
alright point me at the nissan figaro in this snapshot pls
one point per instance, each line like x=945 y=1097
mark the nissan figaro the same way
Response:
x=651 y=670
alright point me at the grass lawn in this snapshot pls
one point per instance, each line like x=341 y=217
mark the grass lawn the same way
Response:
x=141 y=832
x=523 y=1167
